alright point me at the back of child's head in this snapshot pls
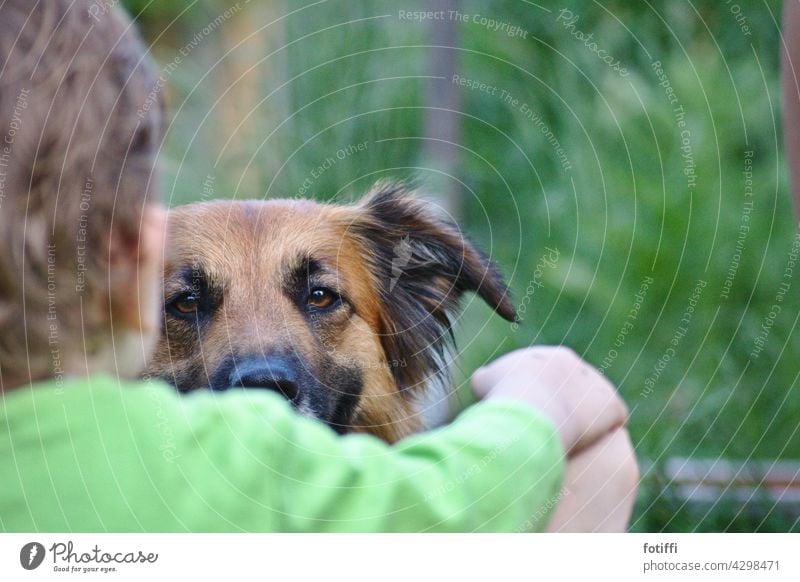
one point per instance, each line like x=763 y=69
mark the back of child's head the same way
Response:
x=80 y=125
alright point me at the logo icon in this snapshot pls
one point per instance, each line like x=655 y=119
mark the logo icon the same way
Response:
x=402 y=256
x=31 y=555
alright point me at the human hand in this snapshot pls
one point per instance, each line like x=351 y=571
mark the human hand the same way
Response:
x=582 y=404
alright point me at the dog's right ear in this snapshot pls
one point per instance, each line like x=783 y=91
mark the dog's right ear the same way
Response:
x=422 y=265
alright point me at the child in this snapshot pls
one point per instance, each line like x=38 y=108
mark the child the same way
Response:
x=85 y=447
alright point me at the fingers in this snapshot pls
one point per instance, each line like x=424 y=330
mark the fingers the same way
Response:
x=580 y=401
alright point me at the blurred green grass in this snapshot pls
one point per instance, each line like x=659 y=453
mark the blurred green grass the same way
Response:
x=352 y=72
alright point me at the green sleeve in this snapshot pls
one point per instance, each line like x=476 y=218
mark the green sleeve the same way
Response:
x=104 y=455
x=497 y=467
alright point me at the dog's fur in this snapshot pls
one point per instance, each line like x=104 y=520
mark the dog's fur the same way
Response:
x=396 y=271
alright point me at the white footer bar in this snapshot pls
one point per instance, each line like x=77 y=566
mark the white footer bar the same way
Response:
x=406 y=557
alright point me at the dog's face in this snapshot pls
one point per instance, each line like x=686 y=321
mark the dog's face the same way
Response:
x=345 y=310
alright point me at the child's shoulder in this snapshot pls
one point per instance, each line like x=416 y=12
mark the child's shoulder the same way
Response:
x=149 y=412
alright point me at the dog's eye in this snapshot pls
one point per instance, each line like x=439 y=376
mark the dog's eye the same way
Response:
x=185 y=304
x=321 y=298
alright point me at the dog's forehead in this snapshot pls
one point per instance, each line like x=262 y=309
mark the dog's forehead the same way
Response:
x=225 y=237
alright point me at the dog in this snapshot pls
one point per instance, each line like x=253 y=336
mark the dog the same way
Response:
x=345 y=310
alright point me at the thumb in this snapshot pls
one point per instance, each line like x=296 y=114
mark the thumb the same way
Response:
x=481 y=381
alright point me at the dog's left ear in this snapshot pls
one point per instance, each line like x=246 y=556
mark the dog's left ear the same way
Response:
x=422 y=264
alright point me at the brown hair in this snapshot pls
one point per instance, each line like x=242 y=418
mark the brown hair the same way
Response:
x=80 y=124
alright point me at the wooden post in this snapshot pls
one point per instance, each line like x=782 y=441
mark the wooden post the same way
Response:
x=442 y=101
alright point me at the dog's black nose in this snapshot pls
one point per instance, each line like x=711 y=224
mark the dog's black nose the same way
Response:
x=270 y=373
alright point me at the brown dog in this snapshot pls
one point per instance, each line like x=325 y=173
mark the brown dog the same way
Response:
x=343 y=309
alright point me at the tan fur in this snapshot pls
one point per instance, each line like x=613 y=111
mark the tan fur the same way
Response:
x=246 y=246
x=398 y=269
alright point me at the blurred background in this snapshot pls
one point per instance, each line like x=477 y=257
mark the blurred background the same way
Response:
x=621 y=161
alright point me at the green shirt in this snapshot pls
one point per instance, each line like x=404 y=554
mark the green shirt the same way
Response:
x=101 y=454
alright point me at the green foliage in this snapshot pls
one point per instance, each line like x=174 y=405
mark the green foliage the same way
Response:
x=624 y=211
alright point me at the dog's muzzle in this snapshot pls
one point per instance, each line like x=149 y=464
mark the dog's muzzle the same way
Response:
x=273 y=373
x=331 y=397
